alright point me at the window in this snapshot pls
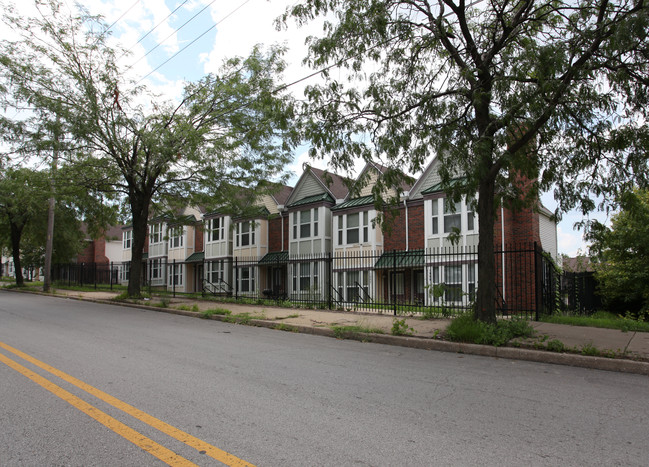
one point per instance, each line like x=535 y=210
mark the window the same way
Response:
x=156 y=269
x=155 y=233
x=453 y=283
x=352 y=286
x=352 y=228
x=452 y=216
x=176 y=274
x=176 y=237
x=470 y=216
x=247 y=280
x=127 y=238
x=216 y=271
x=215 y=228
x=305 y=223
x=245 y=234
x=470 y=279
x=125 y=271
x=305 y=276
x=356 y=229
x=435 y=217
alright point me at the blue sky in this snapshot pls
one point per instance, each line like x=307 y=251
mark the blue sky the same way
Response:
x=240 y=24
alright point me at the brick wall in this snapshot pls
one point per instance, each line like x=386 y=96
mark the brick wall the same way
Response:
x=395 y=238
x=198 y=236
x=275 y=234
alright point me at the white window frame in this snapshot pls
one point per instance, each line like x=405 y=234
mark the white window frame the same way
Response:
x=249 y=280
x=176 y=237
x=176 y=275
x=245 y=230
x=156 y=269
x=155 y=233
x=301 y=223
x=127 y=239
x=215 y=229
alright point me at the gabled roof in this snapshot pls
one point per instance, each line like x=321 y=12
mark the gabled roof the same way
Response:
x=282 y=195
x=335 y=184
x=317 y=182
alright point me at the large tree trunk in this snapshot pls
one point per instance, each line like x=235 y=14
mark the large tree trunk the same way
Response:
x=485 y=307
x=140 y=215
x=16 y=233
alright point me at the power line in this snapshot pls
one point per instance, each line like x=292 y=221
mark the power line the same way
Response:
x=174 y=32
x=184 y=48
x=123 y=14
x=156 y=26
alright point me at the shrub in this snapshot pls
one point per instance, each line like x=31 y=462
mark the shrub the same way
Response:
x=465 y=328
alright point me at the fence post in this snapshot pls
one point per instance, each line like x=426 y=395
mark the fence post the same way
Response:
x=330 y=280
x=537 y=282
x=173 y=279
x=110 y=273
x=394 y=281
x=81 y=275
x=95 y=275
x=236 y=281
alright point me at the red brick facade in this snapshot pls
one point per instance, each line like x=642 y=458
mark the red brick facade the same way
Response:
x=395 y=237
x=275 y=233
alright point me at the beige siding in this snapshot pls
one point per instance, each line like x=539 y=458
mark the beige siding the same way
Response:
x=548 y=235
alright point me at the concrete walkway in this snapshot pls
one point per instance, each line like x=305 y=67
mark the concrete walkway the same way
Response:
x=607 y=349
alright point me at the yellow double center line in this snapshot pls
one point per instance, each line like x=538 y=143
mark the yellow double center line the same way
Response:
x=118 y=427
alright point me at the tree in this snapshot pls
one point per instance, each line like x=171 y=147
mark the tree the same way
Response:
x=231 y=129
x=23 y=195
x=622 y=255
x=550 y=91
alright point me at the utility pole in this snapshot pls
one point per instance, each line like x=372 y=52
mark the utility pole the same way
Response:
x=49 y=245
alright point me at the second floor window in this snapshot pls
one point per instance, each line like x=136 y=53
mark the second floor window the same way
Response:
x=305 y=223
x=155 y=233
x=176 y=237
x=245 y=234
x=215 y=229
x=448 y=216
x=127 y=238
x=353 y=228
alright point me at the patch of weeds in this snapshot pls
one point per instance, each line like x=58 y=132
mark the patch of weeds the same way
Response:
x=465 y=328
x=341 y=331
x=590 y=350
x=184 y=308
x=400 y=328
x=242 y=318
x=215 y=311
x=555 y=345
x=285 y=327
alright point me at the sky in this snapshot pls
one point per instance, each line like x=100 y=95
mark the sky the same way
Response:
x=205 y=32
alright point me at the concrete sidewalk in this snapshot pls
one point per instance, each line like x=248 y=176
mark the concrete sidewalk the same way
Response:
x=607 y=349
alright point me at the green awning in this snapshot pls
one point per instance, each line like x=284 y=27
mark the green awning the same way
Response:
x=312 y=199
x=196 y=257
x=401 y=259
x=355 y=202
x=276 y=257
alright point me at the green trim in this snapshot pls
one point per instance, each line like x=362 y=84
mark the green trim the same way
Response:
x=274 y=258
x=355 y=202
x=401 y=259
x=196 y=257
x=438 y=186
x=312 y=199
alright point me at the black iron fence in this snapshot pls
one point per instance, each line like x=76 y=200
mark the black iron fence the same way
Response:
x=86 y=274
x=579 y=292
x=432 y=282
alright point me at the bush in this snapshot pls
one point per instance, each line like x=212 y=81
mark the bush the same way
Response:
x=465 y=328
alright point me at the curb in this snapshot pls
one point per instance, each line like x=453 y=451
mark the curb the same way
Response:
x=513 y=353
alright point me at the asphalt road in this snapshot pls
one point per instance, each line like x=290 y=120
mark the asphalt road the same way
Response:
x=281 y=399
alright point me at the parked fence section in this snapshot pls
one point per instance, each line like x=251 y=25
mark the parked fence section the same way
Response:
x=433 y=282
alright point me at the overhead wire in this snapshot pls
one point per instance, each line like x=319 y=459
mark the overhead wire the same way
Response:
x=156 y=26
x=192 y=42
x=174 y=32
x=123 y=14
